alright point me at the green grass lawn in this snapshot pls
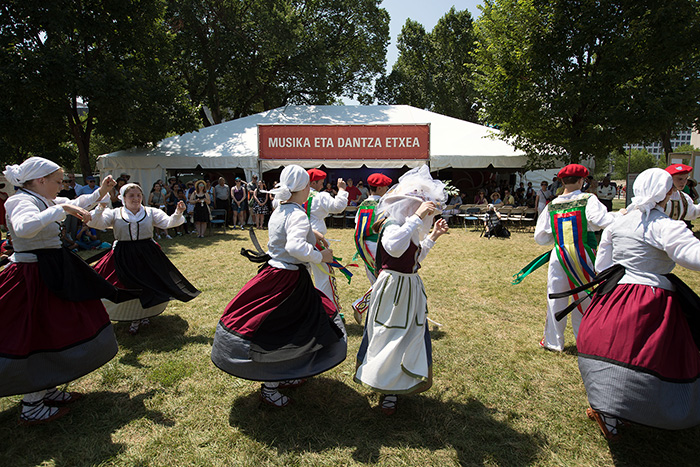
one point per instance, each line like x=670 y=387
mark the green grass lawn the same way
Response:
x=497 y=399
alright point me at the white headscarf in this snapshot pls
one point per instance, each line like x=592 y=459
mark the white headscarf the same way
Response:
x=650 y=188
x=125 y=188
x=31 y=169
x=292 y=179
x=403 y=199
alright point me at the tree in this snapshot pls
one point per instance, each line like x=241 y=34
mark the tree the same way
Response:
x=686 y=148
x=565 y=80
x=433 y=70
x=239 y=58
x=76 y=68
x=638 y=161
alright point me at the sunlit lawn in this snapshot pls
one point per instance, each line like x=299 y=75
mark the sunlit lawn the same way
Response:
x=498 y=399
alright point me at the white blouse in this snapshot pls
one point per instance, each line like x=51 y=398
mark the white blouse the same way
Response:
x=291 y=238
x=397 y=238
x=129 y=226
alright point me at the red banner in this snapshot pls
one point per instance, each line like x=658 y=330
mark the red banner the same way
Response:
x=343 y=141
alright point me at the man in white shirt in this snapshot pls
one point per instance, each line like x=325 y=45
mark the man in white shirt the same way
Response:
x=606 y=192
x=319 y=206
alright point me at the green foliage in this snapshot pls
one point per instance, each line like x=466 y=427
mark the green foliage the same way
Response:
x=114 y=57
x=239 y=58
x=639 y=160
x=686 y=148
x=568 y=80
x=433 y=70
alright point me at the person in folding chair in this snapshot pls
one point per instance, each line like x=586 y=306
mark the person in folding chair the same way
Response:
x=639 y=338
x=569 y=221
x=137 y=261
x=318 y=206
x=493 y=226
x=279 y=329
x=366 y=238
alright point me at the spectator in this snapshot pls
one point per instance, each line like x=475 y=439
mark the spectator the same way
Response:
x=529 y=191
x=543 y=197
x=508 y=199
x=190 y=207
x=480 y=198
x=364 y=192
x=496 y=198
x=222 y=198
x=89 y=188
x=353 y=193
x=330 y=189
x=67 y=191
x=239 y=203
x=114 y=193
x=157 y=200
x=125 y=176
x=171 y=202
x=493 y=227
x=86 y=238
x=260 y=200
x=201 y=201
x=606 y=192
x=75 y=186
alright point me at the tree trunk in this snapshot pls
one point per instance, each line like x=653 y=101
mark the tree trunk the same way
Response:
x=666 y=143
x=81 y=136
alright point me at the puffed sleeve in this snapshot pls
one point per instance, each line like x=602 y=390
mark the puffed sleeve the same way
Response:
x=396 y=238
x=543 y=230
x=677 y=240
x=102 y=217
x=164 y=221
x=297 y=227
x=339 y=203
x=27 y=220
x=603 y=259
x=693 y=209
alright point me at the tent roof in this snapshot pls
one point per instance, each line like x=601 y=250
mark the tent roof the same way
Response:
x=453 y=142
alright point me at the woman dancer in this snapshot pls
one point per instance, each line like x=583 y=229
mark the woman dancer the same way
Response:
x=137 y=261
x=201 y=201
x=53 y=327
x=279 y=329
x=636 y=352
x=395 y=355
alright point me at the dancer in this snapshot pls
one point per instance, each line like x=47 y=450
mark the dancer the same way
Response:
x=279 y=329
x=137 y=261
x=680 y=206
x=201 y=201
x=637 y=352
x=569 y=221
x=366 y=238
x=319 y=206
x=395 y=355
x=53 y=327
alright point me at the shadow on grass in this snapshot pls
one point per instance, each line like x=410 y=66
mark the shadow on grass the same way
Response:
x=641 y=445
x=166 y=333
x=83 y=437
x=328 y=414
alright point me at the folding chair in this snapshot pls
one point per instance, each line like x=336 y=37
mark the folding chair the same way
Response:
x=350 y=212
x=218 y=218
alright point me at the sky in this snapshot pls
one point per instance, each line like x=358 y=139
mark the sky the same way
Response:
x=425 y=12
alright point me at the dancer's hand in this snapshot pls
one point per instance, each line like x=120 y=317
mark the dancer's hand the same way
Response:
x=341 y=184
x=320 y=239
x=180 y=207
x=327 y=255
x=439 y=229
x=77 y=211
x=107 y=184
x=425 y=209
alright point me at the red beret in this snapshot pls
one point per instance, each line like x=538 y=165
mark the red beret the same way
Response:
x=573 y=170
x=378 y=180
x=679 y=169
x=316 y=174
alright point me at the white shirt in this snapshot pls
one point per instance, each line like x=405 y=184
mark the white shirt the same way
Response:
x=291 y=239
x=397 y=238
x=648 y=247
x=153 y=217
x=34 y=226
x=597 y=216
x=324 y=204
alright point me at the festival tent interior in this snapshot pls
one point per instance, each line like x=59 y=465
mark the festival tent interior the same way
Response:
x=449 y=144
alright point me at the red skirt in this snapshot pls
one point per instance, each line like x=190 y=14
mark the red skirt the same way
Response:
x=45 y=340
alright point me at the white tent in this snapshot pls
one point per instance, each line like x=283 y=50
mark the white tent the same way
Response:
x=453 y=143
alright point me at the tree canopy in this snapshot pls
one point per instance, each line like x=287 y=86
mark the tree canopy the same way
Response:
x=433 y=70
x=74 y=68
x=239 y=58
x=565 y=80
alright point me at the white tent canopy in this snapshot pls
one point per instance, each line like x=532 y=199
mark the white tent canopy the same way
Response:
x=453 y=143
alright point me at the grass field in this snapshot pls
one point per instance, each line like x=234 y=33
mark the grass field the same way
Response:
x=497 y=399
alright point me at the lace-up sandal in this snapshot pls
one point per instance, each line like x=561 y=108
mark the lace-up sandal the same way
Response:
x=291 y=383
x=274 y=398
x=145 y=322
x=56 y=398
x=36 y=413
x=388 y=404
x=608 y=425
x=134 y=328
